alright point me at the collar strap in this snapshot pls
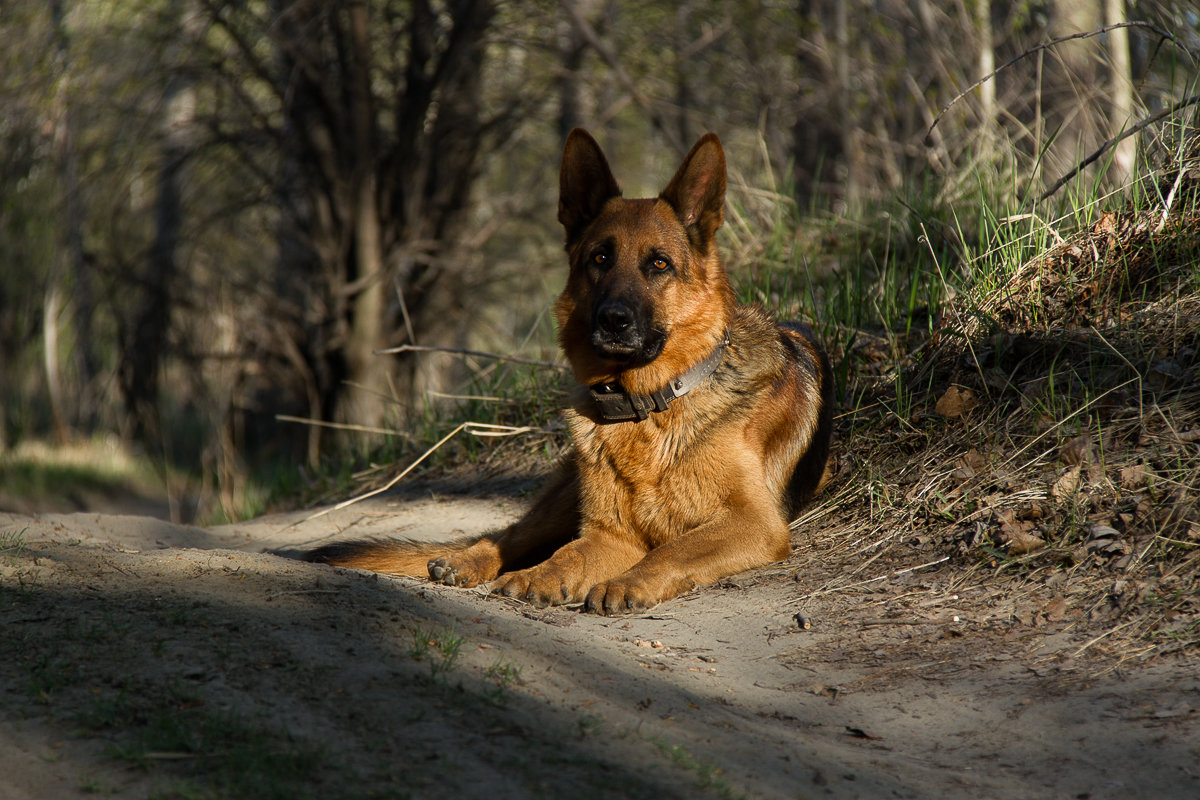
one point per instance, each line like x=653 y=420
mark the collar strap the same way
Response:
x=617 y=405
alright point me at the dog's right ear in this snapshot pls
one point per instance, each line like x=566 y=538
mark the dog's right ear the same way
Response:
x=585 y=183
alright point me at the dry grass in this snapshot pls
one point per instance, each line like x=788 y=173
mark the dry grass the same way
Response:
x=1045 y=438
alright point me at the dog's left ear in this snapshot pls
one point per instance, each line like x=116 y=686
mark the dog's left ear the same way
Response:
x=697 y=192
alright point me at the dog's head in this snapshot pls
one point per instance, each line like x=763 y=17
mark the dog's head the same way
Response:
x=646 y=297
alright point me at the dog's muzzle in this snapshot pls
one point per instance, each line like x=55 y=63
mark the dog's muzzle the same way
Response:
x=622 y=332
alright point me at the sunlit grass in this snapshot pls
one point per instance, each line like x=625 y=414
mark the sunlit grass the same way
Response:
x=40 y=476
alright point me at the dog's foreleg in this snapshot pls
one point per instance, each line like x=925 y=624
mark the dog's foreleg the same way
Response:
x=749 y=532
x=551 y=522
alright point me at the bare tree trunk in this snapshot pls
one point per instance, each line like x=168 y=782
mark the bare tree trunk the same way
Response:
x=51 y=314
x=144 y=350
x=69 y=260
x=1070 y=92
x=572 y=48
x=987 y=63
x=367 y=373
x=83 y=295
x=683 y=93
x=369 y=395
x=1122 y=91
x=850 y=131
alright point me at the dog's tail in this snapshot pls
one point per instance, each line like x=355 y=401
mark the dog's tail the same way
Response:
x=389 y=556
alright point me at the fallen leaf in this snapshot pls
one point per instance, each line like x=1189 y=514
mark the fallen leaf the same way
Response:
x=1106 y=224
x=1098 y=530
x=1032 y=393
x=974 y=458
x=1067 y=484
x=956 y=402
x=1022 y=542
x=1033 y=511
x=1019 y=536
x=1112 y=547
x=1133 y=476
x=1076 y=450
x=1055 y=610
x=968 y=466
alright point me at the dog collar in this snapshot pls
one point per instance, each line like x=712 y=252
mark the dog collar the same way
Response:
x=617 y=405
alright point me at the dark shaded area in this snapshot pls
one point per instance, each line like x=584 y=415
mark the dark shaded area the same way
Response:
x=335 y=707
x=219 y=663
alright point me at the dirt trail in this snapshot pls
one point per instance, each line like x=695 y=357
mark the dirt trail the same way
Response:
x=114 y=629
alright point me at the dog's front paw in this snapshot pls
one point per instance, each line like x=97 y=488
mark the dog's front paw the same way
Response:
x=624 y=596
x=465 y=569
x=445 y=570
x=540 y=586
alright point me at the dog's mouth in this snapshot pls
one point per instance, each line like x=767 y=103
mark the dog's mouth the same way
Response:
x=630 y=348
x=623 y=332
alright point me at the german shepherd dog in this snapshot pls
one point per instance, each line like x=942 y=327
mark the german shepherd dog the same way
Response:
x=699 y=425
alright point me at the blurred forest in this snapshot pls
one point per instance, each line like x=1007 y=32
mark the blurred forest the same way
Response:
x=216 y=213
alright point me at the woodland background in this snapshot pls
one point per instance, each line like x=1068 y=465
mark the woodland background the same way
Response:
x=215 y=214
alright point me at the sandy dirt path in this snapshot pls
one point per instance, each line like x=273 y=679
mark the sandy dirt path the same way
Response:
x=140 y=657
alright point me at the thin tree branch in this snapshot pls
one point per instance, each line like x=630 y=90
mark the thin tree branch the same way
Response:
x=1182 y=104
x=593 y=39
x=1164 y=35
x=243 y=46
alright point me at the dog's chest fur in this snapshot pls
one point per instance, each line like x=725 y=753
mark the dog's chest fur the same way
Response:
x=679 y=459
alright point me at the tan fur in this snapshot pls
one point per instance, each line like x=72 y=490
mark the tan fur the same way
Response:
x=646 y=509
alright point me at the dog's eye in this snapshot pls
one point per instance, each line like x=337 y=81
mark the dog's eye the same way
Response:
x=600 y=259
x=660 y=264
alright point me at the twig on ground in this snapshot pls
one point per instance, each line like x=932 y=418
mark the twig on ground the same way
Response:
x=341 y=426
x=458 y=351
x=474 y=428
x=1166 y=212
x=1108 y=632
x=877 y=578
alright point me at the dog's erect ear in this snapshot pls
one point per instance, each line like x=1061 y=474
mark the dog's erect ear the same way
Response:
x=697 y=192
x=585 y=183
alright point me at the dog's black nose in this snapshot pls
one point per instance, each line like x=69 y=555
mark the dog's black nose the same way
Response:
x=614 y=317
